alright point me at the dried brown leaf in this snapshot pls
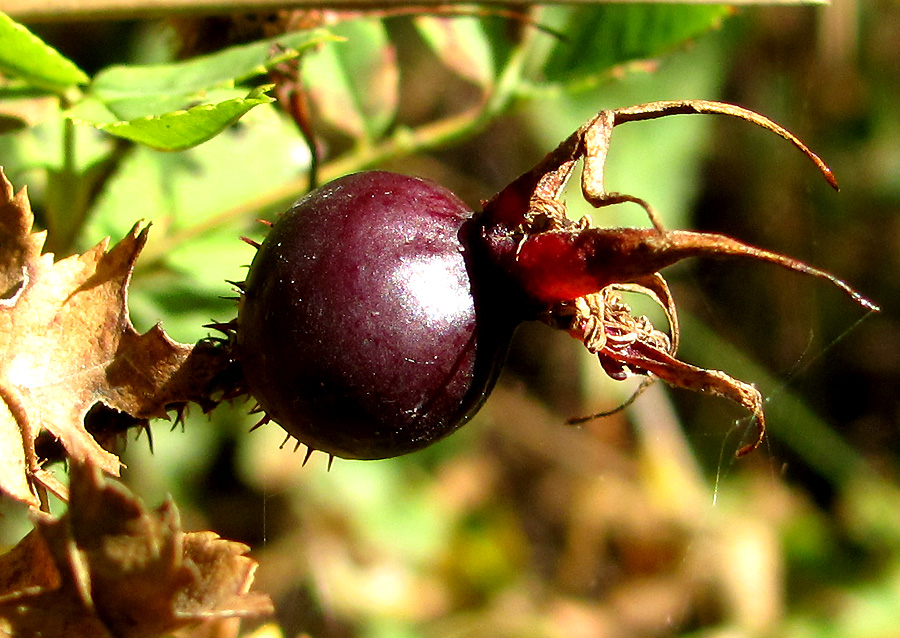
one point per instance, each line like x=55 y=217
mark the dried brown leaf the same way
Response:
x=110 y=567
x=27 y=567
x=67 y=343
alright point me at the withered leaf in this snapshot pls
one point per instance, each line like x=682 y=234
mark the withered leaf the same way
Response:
x=67 y=343
x=110 y=567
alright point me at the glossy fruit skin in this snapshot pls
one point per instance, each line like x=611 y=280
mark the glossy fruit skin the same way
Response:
x=360 y=330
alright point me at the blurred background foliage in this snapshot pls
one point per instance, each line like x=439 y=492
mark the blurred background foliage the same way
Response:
x=638 y=524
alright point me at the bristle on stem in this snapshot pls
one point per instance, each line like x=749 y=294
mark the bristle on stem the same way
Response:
x=237 y=284
x=262 y=422
x=256 y=409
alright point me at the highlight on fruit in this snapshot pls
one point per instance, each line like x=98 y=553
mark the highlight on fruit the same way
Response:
x=377 y=312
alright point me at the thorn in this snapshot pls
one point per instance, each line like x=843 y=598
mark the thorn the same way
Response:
x=146 y=428
x=237 y=284
x=266 y=222
x=330 y=461
x=163 y=412
x=225 y=328
x=180 y=414
x=283 y=443
x=252 y=242
x=262 y=422
x=309 y=452
x=297 y=445
x=256 y=409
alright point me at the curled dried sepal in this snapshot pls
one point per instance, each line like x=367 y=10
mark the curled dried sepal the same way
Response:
x=627 y=345
x=575 y=271
x=511 y=206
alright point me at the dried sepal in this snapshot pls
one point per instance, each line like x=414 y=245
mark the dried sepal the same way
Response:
x=576 y=271
x=591 y=143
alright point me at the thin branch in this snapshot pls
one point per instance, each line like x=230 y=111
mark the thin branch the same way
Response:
x=69 y=10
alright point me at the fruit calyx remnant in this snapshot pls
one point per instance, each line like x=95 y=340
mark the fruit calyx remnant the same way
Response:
x=577 y=271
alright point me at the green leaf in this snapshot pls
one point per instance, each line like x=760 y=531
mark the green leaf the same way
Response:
x=600 y=37
x=139 y=91
x=461 y=44
x=180 y=130
x=25 y=55
x=355 y=85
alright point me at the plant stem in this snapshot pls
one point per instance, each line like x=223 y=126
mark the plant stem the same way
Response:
x=67 y=10
x=64 y=194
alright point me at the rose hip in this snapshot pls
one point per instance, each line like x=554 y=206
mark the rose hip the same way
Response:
x=377 y=312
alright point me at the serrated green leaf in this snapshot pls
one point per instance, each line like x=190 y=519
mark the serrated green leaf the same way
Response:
x=25 y=55
x=180 y=130
x=600 y=37
x=355 y=85
x=139 y=91
x=461 y=44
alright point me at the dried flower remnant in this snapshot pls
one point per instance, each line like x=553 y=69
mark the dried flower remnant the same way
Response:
x=578 y=270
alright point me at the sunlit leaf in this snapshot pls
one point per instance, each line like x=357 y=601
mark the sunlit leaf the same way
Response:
x=138 y=91
x=600 y=37
x=25 y=55
x=183 y=129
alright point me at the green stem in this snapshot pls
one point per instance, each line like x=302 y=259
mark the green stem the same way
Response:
x=64 y=195
x=69 y=141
